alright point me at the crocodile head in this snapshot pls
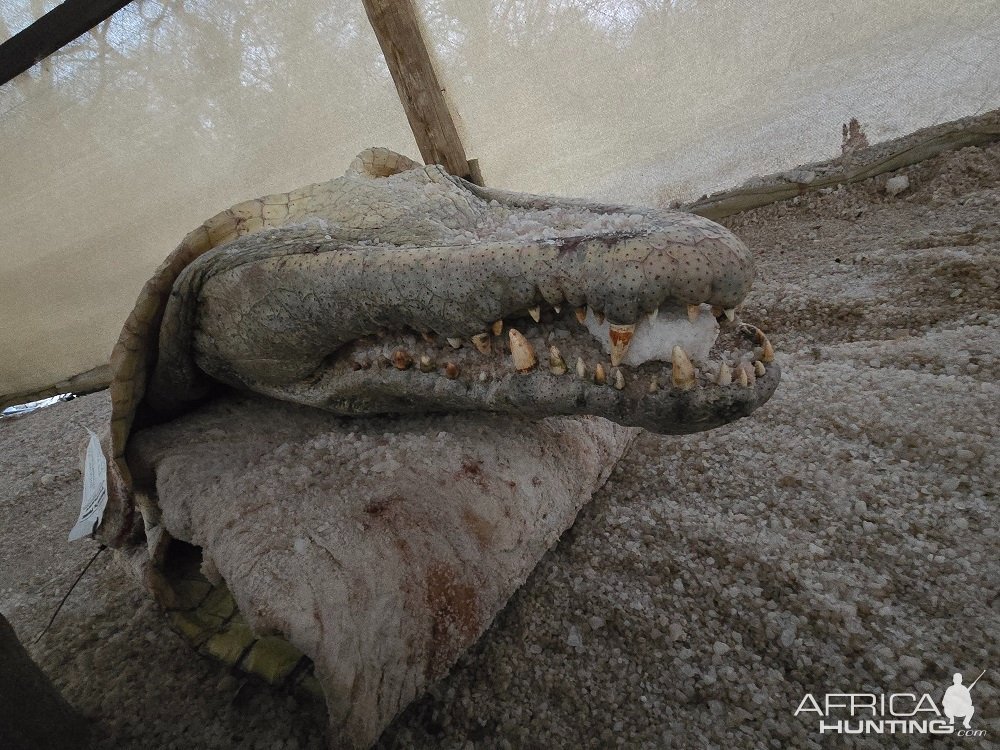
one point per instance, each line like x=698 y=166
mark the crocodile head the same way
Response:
x=420 y=292
x=398 y=288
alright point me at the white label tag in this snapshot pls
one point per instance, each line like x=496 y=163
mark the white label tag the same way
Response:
x=95 y=491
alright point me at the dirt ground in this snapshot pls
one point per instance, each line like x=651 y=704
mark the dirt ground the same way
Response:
x=843 y=538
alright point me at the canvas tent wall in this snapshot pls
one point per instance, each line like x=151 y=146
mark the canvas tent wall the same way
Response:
x=172 y=110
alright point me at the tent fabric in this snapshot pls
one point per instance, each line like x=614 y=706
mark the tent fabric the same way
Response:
x=115 y=147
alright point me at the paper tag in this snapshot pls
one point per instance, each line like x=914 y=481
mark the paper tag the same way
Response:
x=95 y=491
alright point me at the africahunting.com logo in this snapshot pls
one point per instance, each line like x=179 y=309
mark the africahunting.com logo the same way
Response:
x=895 y=713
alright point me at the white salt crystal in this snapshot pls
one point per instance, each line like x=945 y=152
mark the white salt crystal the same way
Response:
x=655 y=340
x=574 y=640
x=896 y=185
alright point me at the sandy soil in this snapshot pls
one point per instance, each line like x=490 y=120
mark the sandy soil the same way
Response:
x=842 y=538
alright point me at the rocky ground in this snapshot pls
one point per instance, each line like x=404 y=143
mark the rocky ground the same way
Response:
x=843 y=538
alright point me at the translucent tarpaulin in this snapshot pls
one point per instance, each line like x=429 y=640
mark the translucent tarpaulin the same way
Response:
x=114 y=148
x=111 y=150
x=640 y=100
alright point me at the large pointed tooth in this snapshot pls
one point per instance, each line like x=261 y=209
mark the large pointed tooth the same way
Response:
x=581 y=313
x=482 y=342
x=401 y=359
x=752 y=332
x=521 y=351
x=728 y=313
x=725 y=375
x=620 y=336
x=758 y=368
x=693 y=312
x=497 y=327
x=744 y=373
x=557 y=308
x=768 y=353
x=682 y=372
x=451 y=371
x=600 y=377
x=654 y=314
x=654 y=384
x=581 y=368
x=535 y=313
x=619 y=380
x=454 y=343
x=426 y=364
x=557 y=365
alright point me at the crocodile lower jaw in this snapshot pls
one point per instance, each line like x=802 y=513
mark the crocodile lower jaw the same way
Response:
x=546 y=362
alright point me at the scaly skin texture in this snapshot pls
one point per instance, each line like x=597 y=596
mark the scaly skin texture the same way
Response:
x=283 y=294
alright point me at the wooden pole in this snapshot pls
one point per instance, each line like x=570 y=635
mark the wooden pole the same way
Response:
x=54 y=30
x=397 y=28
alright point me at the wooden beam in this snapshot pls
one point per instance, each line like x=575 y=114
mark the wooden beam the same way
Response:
x=397 y=28
x=870 y=162
x=51 y=32
x=96 y=379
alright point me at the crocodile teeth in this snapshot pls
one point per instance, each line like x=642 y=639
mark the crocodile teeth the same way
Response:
x=451 y=371
x=454 y=343
x=401 y=359
x=619 y=380
x=581 y=313
x=693 y=312
x=535 y=313
x=758 y=368
x=599 y=376
x=620 y=336
x=725 y=375
x=482 y=342
x=682 y=372
x=743 y=373
x=729 y=313
x=497 y=327
x=426 y=364
x=521 y=351
x=557 y=308
x=581 y=368
x=557 y=365
x=654 y=384
x=652 y=315
x=768 y=354
x=752 y=332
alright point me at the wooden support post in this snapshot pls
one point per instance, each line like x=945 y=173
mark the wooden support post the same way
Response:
x=397 y=28
x=55 y=29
